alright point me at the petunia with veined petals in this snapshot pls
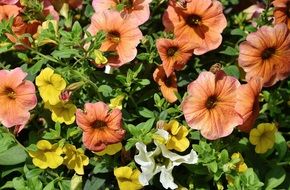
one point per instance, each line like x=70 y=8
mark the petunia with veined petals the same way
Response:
x=173 y=53
x=281 y=11
x=248 y=102
x=122 y=36
x=210 y=105
x=168 y=85
x=266 y=54
x=137 y=9
x=201 y=22
x=17 y=98
x=100 y=127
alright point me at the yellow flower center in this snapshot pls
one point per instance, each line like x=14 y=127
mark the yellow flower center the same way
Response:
x=10 y=93
x=267 y=53
x=211 y=102
x=114 y=36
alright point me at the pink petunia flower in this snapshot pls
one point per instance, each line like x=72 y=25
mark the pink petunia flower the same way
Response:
x=8 y=2
x=199 y=22
x=136 y=9
x=248 y=102
x=17 y=98
x=122 y=36
x=210 y=106
x=100 y=127
x=174 y=54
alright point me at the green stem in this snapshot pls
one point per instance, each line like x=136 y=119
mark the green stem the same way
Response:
x=87 y=80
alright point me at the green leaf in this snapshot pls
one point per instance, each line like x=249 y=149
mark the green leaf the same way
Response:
x=280 y=145
x=230 y=51
x=66 y=53
x=10 y=153
x=275 y=177
x=37 y=66
x=19 y=183
x=146 y=127
x=105 y=90
x=77 y=30
x=232 y=70
x=94 y=183
x=146 y=112
x=49 y=186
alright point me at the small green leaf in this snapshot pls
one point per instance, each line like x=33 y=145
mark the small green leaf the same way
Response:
x=275 y=177
x=232 y=70
x=10 y=153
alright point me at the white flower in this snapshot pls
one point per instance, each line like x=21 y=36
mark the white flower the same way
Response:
x=161 y=160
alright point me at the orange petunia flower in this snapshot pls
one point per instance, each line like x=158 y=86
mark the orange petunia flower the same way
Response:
x=281 y=12
x=122 y=36
x=174 y=54
x=266 y=54
x=17 y=98
x=210 y=106
x=200 y=22
x=248 y=102
x=168 y=85
x=100 y=127
x=8 y=11
x=135 y=9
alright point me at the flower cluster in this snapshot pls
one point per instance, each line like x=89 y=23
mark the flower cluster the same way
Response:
x=144 y=94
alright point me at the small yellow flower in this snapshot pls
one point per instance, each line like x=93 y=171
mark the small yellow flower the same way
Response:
x=241 y=166
x=127 y=178
x=46 y=155
x=263 y=137
x=50 y=85
x=75 y=159
x=117 y=102
x=62 y=112
x=110 y=149
x=100 y=59
x=177 y=139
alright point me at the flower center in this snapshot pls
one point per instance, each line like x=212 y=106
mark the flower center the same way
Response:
x=171 y=51
x=267 y=53
x=99 y=124
x=114 y=36
x=160 y=160
x=127 y=3
x=211 y=102
x=194 y=20
x=10 y=93
x=288 y=9
x=168 y=81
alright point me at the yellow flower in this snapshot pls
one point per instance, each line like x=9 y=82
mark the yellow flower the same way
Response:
x=75 y=159
x=117 y=102
x=127 y=178
x=177 y=136
x=62 y=112
x=100 y=59
x=241 y=166
x=46 y=155
x=50 y=85
x=263 y=137
x=110 y=149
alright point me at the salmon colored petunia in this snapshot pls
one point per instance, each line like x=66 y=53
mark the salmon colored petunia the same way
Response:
x=136 y=9
x=248 y=102
x=266 y=54
x=17 y=98
x=8 y=11
x=122 y=36
x=201 y=22
x=281 y=12
x=210 y=106
x=174 y=54
x=8 y=2
x=100 y=127
x=168 y=85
